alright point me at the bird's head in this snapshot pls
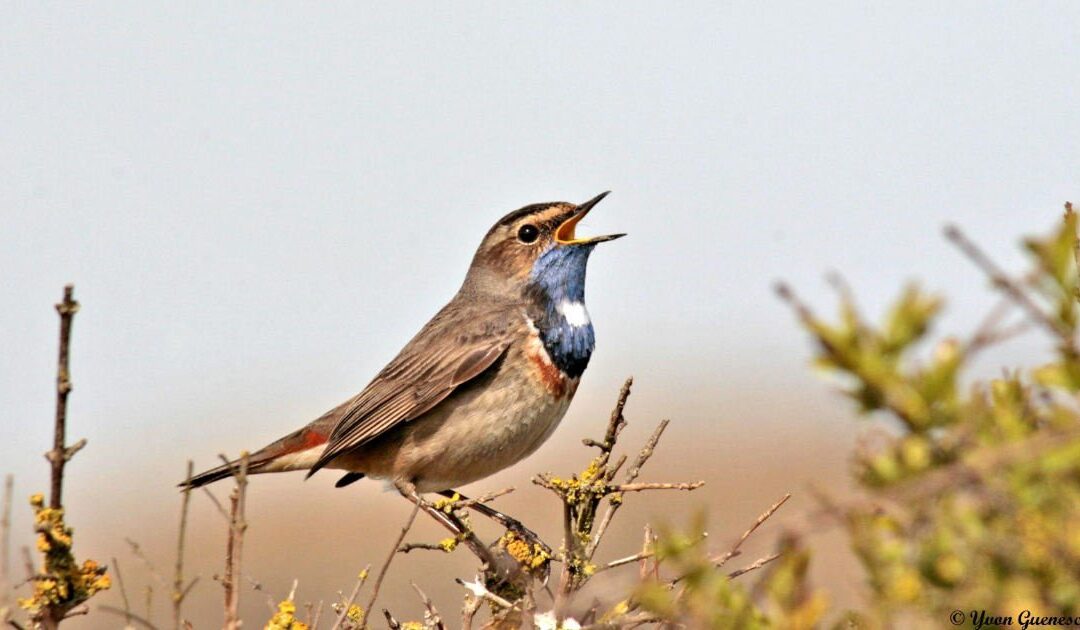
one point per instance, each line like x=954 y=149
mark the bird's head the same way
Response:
x=537 y=240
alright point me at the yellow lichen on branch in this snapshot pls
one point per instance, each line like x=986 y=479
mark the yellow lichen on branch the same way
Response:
x=62 y=584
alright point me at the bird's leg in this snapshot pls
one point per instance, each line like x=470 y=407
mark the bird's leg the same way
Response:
x=508 y=522
x=452 y=523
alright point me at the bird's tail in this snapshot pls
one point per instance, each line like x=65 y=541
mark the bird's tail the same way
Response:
x=223 y=471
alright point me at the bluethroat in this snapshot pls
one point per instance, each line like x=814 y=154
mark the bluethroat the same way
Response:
x=482 y=385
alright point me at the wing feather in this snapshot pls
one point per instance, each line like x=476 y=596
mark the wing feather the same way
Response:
x=448 y=352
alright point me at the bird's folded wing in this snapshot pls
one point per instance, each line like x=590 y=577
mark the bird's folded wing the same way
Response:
x=448 y=352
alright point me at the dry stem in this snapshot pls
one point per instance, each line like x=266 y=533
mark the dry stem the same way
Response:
x=235 y=544
x=179 y=590
x=61 y=453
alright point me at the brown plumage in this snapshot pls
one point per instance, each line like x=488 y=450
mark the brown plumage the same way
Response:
x=473 y=392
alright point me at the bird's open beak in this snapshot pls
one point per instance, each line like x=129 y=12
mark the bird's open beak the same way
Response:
x=564 y=234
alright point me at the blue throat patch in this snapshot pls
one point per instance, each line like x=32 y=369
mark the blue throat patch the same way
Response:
x=558 y=276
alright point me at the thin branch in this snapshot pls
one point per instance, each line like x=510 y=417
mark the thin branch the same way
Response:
x=217 y=503
x=408 y=491
x=469 y=609
x=5 y=543
x=61 y=453
x=28 y=563
x=631 y=474
x=130 y=616
x=730 y=553
x=760 y=562
x=432 y=617
x=484 y=498
x=407 y=547
x=179 y=591
x=235 y=544
x=1002 y=281
x=639 y=487
x=123 y=592
x=352 y=598
x=615 y=425
x=137 y=551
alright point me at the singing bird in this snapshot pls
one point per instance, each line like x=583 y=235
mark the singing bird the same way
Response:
x=482 y=385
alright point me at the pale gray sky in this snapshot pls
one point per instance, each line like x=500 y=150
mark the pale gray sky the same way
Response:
x=259 y=203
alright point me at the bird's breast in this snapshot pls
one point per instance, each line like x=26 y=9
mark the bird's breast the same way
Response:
x=545 y=368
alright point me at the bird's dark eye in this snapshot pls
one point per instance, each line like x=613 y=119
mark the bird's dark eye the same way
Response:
x=528 y=233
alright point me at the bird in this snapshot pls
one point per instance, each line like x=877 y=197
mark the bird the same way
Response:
x=481 y=386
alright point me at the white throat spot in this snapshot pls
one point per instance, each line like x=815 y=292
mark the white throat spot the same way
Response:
x=574 y=313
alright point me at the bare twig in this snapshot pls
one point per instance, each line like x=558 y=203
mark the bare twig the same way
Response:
x=352 y=598
x=217 y=503
x=5 y=540
x=469 y=610
x=566 y=582
x=615 y=424
x=61 y=453
x=760 y=562
x=1010 y=287
x=484 y=498
x=137 y=551
x=408 y=491
x=123 y=593
x=179 y=590
x=407 y=547
x=235 y=544
x=631 y=474
x=730 y=553
x=314 y=619
x=431 y=616
x=639 y=487
x=28 y=562
x=129 y=616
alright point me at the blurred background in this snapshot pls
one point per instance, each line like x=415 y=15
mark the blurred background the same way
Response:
x=260 y=204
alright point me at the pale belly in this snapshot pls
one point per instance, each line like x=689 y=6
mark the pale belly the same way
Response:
x=488 y=425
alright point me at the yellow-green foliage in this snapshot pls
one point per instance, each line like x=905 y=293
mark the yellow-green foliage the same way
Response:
x=62 y=583
x=975 y=490
x=971 y=488
x=704 y=597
